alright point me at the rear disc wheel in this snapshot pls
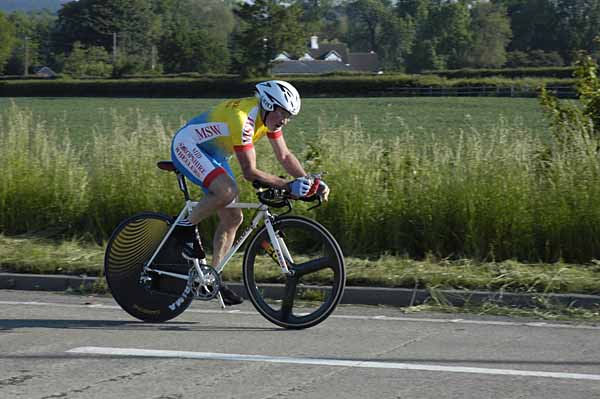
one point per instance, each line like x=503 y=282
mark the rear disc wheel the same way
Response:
x=156 y=298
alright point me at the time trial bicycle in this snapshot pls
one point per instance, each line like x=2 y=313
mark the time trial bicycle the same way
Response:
x=293 y=269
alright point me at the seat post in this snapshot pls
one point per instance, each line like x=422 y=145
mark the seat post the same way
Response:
x=183 y=185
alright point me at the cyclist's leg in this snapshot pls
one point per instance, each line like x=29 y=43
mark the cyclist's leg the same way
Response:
x=214 y=175
x=219 y=193
x=230 y=220
x=211 y=173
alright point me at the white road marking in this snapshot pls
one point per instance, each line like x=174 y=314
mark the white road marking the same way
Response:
x=94 y=350
x=334 y=316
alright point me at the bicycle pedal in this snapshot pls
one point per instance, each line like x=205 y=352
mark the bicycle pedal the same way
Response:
x=191 y=252
x=146 y=281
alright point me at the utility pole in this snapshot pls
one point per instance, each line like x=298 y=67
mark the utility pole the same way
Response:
x=26 y=72
x=153 y=57
x=114 y=48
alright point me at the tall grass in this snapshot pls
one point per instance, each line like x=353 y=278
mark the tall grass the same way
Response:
x=43 y=184
x=494 y=194
x=123 y=176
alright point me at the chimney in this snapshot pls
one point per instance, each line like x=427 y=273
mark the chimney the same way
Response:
x=314 y=42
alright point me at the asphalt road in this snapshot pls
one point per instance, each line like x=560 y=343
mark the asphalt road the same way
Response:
x=66 y=346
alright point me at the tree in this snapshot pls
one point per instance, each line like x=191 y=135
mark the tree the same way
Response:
x=266 y=28
x=7 y=39
x=93 y=23
x=191 y=49
x=396 y=39
x=417 y=10
x=325 y=18
x=194 y=35
x=578 y=23
x=553 y=25
x=450 y=24
x=533 y=24
x=33 y=32
x=424 y=57
x=366 y=18
x=373 y=26
x=316 y=15
x=214 y=16
x=490 y=27
x=91 y=61
x=443 y=37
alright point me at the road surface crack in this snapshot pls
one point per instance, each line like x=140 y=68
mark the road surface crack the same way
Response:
x=16 y=380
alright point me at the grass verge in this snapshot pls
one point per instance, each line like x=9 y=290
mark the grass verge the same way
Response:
x=26 y=254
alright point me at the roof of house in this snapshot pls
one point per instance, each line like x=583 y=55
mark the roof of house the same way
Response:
x=44 y=70
x=367 y=62
x=324 y=49
x=292 y=64
x=308 y=67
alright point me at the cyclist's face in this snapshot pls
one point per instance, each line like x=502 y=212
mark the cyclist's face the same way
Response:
x=277 y=119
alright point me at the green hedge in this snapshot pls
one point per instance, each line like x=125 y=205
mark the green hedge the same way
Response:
x=512 y=73
x=342 y=86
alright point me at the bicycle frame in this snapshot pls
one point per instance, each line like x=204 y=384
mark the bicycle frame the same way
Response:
x=262 y=215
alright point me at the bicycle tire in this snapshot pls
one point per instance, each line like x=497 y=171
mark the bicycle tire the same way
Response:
x=131 y=245
x=313 y=292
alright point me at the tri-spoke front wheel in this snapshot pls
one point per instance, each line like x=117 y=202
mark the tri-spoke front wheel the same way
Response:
x=309 y=295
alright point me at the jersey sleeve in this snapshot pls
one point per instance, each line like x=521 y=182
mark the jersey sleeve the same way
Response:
x=242 y=128
x=275 y=135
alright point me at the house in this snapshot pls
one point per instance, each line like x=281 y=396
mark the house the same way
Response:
x=325 y=58
x=44 y=72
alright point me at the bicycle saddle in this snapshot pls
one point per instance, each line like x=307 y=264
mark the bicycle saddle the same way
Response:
x=166 y=165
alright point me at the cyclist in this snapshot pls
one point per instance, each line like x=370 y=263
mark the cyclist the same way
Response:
x=201 y=150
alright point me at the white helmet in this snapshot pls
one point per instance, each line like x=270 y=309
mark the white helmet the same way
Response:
x=280 y=93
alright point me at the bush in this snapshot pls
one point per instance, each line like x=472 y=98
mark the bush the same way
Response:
x=569 y=120
x=507 y=73
x=534 y=58
x=335 y=86
x=90 y=61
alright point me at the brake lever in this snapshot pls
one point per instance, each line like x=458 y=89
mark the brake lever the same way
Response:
x=319 y=202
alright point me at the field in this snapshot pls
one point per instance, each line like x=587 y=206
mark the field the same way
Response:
x=380 y=117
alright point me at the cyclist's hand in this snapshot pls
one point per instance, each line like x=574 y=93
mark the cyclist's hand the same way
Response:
x=300 y=186
x=323 y=190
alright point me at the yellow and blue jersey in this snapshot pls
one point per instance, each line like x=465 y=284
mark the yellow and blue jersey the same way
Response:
x=231 y=126
x=201 y=148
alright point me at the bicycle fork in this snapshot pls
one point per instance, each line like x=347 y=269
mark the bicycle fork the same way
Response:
x=278 y=251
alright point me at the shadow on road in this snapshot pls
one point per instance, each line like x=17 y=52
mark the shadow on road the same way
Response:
x=6 y=325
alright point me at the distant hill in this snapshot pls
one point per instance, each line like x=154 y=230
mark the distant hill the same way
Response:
x=30 y=5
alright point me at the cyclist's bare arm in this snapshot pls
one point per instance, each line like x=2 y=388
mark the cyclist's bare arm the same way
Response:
x=288 y=160
x=247 y=160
